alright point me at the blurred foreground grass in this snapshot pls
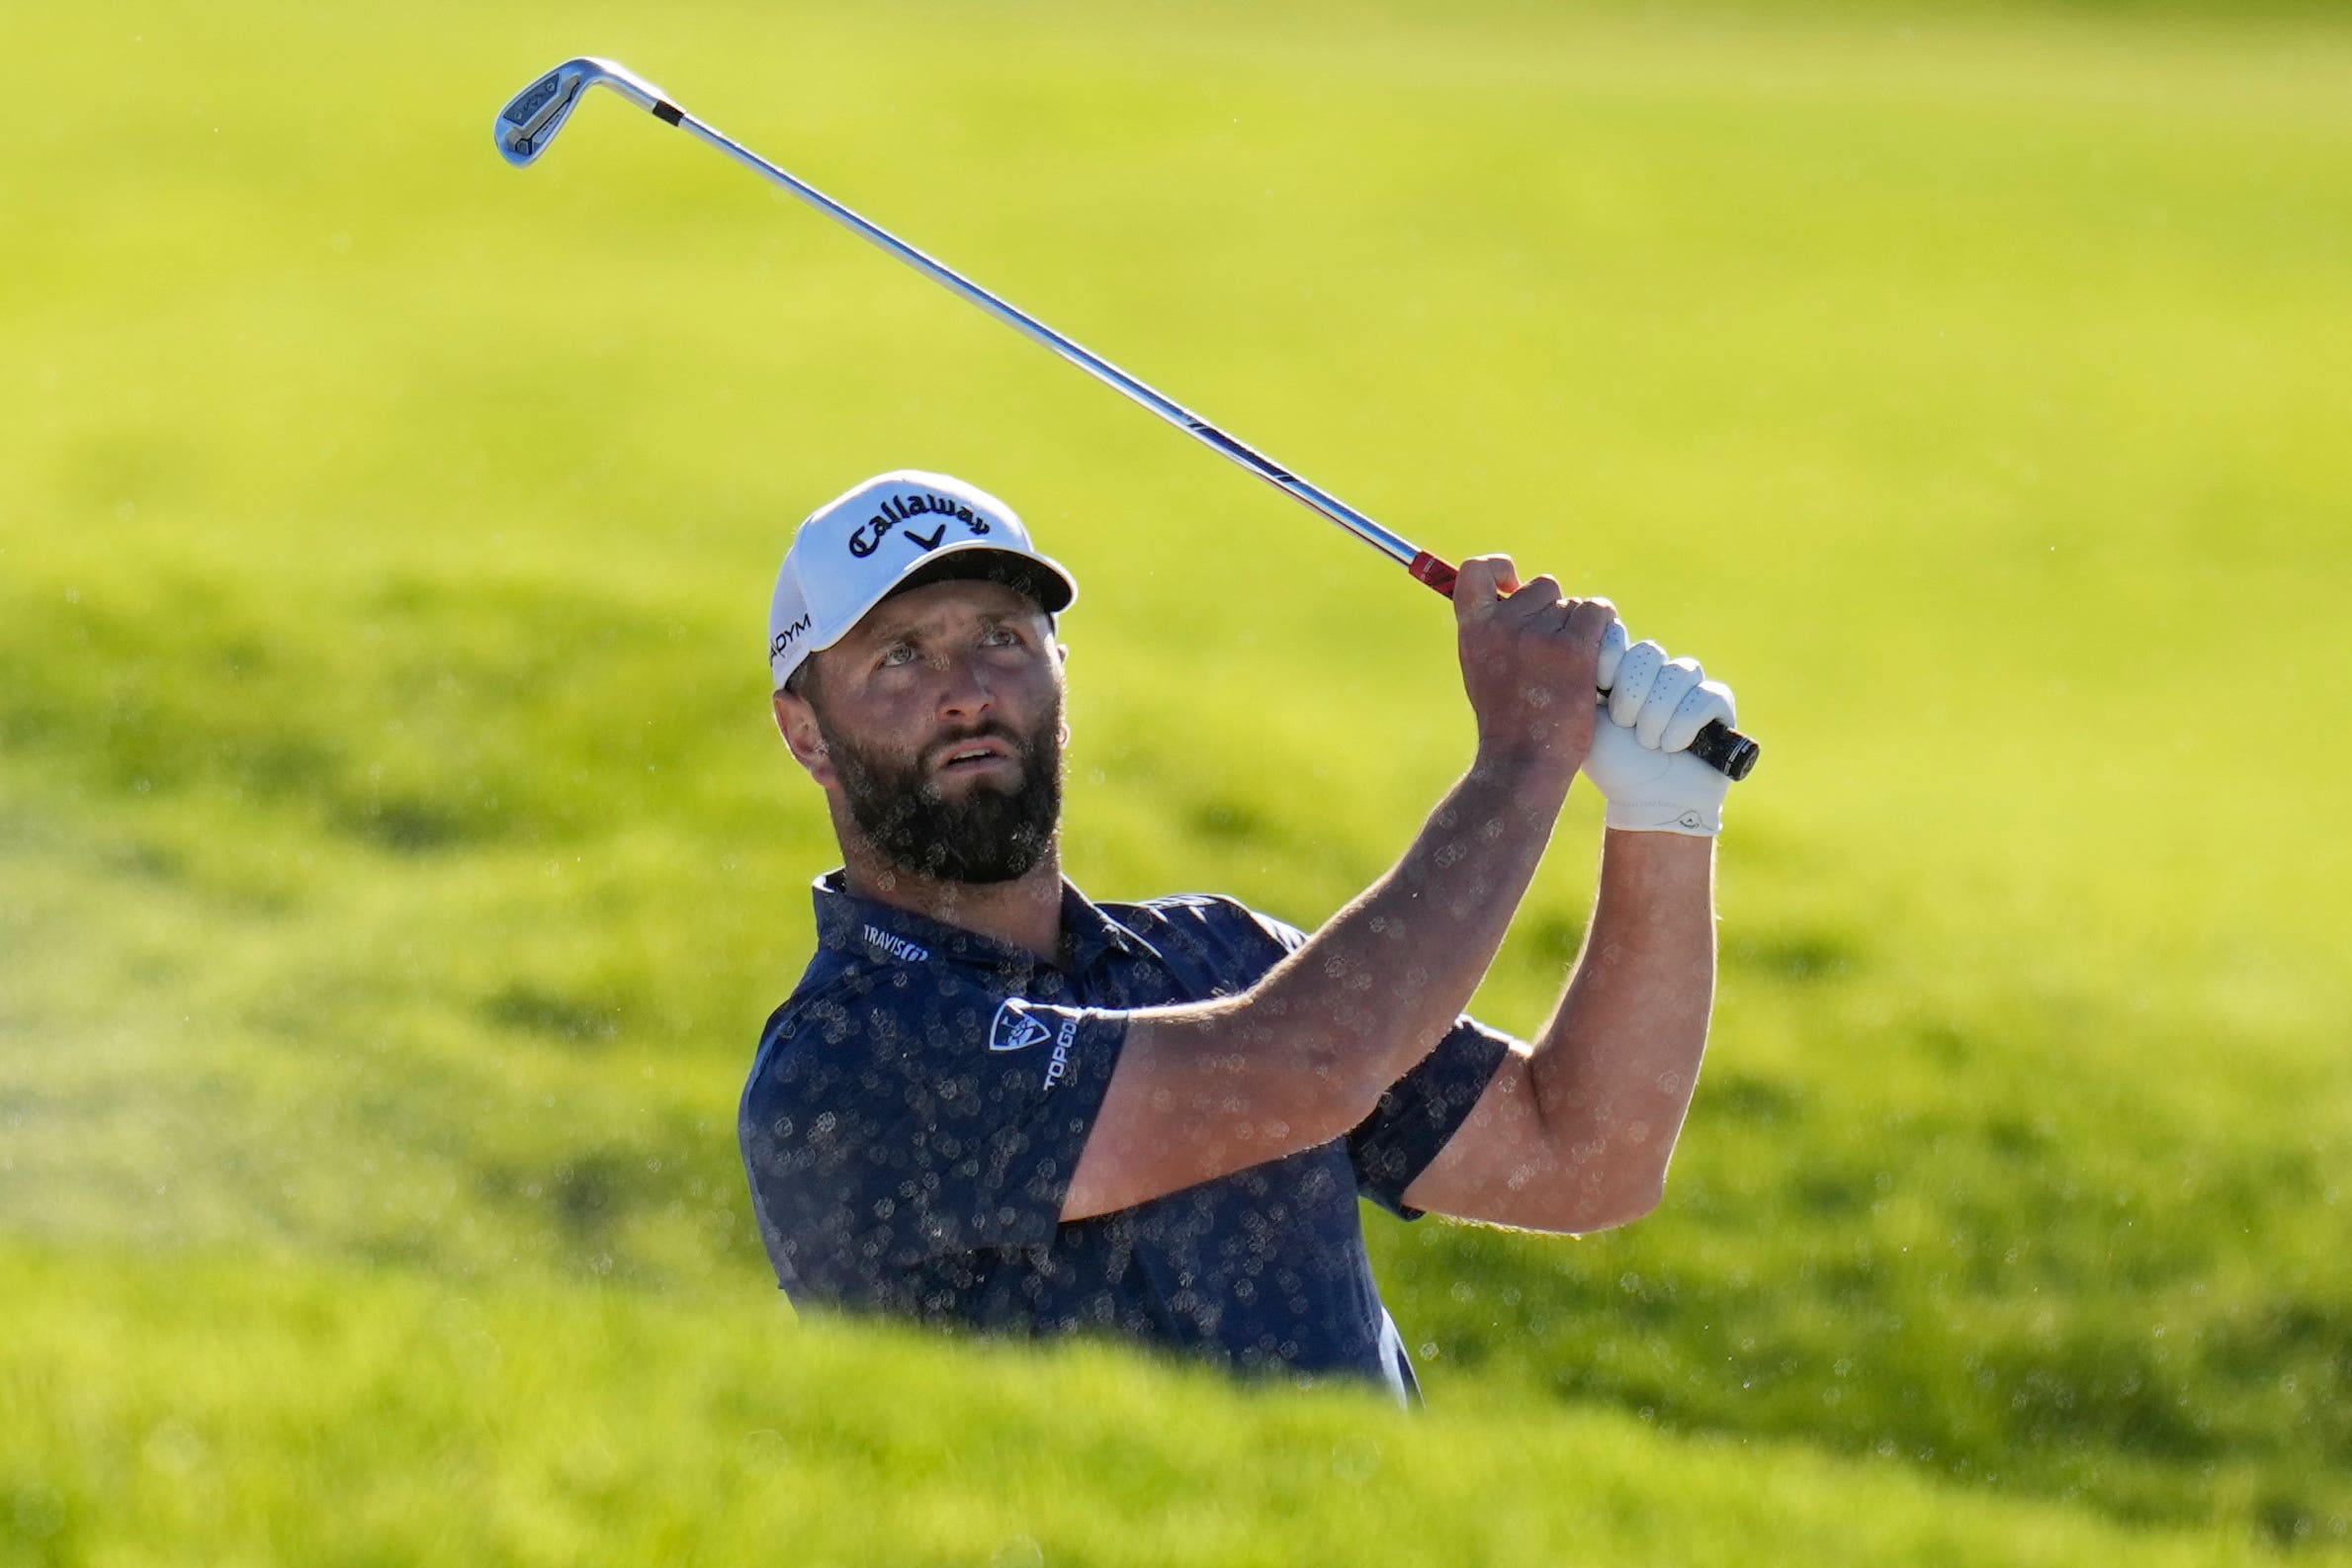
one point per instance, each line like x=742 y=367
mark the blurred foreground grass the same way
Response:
x=207 y=1411
x=397 y=863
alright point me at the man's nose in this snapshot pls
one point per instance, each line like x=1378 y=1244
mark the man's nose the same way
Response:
x=964 y=688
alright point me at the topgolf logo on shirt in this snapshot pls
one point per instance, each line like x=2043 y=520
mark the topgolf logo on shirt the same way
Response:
x=1017 y=1028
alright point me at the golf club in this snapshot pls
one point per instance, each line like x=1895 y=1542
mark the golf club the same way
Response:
x=530 y=121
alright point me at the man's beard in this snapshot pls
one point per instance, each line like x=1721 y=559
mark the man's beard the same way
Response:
x=989 y=836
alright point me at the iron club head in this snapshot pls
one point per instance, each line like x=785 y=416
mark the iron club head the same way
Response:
x=531 y=119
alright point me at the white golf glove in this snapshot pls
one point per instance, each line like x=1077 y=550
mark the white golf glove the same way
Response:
x=1655 y=706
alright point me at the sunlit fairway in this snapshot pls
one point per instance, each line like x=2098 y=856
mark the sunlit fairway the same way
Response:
x=396 y=861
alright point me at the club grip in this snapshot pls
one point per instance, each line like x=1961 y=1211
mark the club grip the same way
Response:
x=1726 y=750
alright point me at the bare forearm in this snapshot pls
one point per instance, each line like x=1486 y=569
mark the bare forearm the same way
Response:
x=1383 y=981
x=1304 y=1054
x=1616 y=1068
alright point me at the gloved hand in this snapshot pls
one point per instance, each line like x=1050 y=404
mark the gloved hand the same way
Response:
x=1654 y=708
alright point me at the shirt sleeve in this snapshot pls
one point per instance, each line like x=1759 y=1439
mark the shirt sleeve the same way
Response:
x=909 y=1114
x=1421 y=1110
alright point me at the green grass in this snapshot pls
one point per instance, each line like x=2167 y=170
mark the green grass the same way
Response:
x=221 y=1407
x=395 y=861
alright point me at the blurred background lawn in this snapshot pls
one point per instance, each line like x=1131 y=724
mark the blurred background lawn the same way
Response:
x=397 y=863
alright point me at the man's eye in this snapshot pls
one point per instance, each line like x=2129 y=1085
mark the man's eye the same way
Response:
x=1000 y=637
x=898 y=653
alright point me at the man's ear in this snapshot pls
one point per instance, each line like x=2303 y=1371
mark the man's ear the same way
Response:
x=1062 y=649
x=795 y=720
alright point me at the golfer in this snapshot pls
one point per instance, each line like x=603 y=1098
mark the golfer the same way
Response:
x=994 y=1104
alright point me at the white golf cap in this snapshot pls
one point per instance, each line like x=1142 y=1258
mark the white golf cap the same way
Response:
x=855 y=550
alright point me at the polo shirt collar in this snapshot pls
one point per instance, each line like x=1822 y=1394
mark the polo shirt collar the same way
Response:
x=861 y=928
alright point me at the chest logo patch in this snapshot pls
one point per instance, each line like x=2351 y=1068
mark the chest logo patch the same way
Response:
x=1016 y=1028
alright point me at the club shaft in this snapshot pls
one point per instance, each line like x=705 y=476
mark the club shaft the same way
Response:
x=1095 y=365
x=1718 y=745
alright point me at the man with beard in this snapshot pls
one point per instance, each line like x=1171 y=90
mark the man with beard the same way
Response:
x=994 y=1104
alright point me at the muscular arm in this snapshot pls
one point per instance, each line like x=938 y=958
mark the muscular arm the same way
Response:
x=1303 y=1055
x=1575 y=1135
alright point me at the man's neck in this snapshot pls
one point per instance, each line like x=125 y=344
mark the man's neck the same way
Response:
x=1025 y=912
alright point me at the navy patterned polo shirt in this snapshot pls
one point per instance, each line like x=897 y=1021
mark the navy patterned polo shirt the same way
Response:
x=918 y=1105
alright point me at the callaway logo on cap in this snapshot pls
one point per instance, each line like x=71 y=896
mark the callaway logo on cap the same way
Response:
x=852 y=552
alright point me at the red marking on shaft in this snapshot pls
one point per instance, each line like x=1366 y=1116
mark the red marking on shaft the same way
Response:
x=1435 y=572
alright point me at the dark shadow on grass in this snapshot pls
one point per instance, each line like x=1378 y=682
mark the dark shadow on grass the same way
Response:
x=1226 y=821
x=406 y=825
x=1800 y=957
x=544 y=1013
x=1750 y=1099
